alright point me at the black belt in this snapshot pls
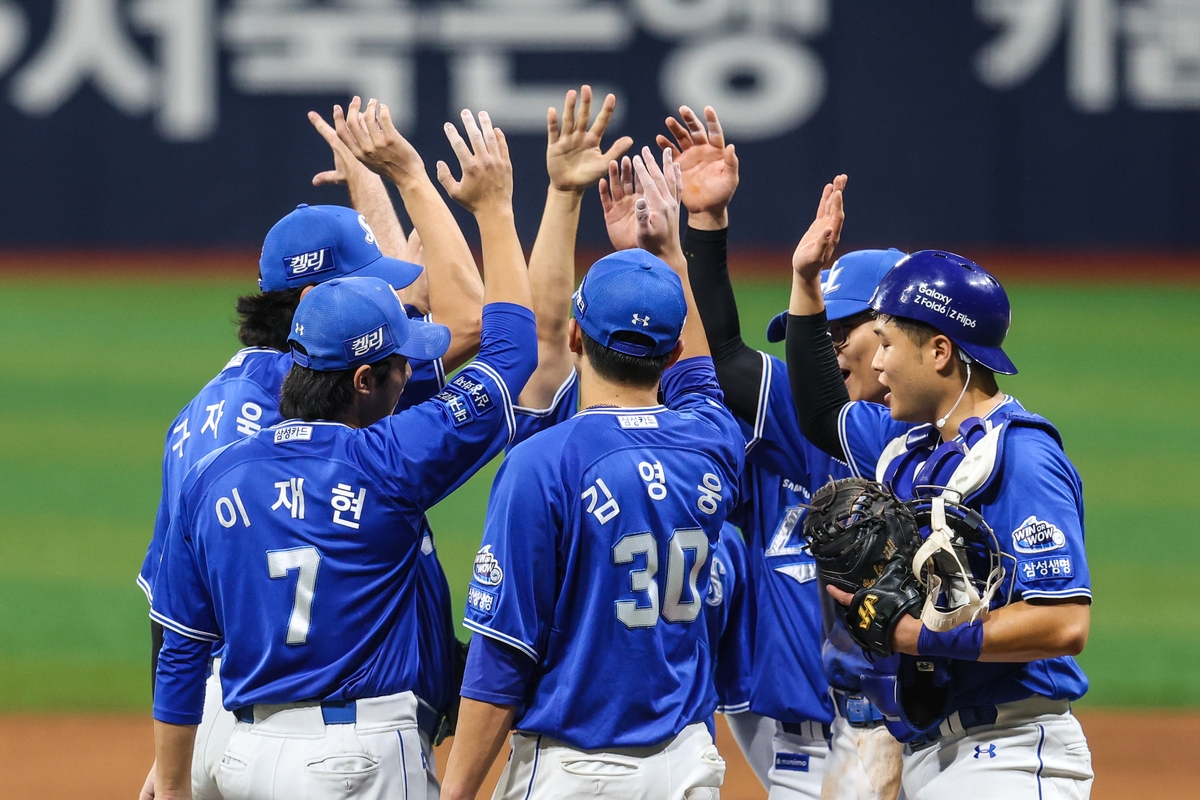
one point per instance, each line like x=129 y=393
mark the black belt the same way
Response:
x=969 y=717
x=346 y=713
x=806 y=729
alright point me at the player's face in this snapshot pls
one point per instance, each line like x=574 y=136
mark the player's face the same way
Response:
x=855 y=352
x=907 y=375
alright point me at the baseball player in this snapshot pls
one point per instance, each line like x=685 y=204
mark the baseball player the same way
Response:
x=320 y=662
x=788 y=687
x=575 y=162
x=983 y=700
x=586 y=601
x=248 y=389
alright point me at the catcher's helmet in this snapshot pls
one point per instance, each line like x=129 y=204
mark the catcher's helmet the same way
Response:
x=956 y=296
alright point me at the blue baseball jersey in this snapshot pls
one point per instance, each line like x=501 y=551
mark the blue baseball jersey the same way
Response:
x=1033 y=501
x=728 y=608
x=729 y=615
x=601 y=581
x=783 y=469
x=241 y=400
x=298 y=546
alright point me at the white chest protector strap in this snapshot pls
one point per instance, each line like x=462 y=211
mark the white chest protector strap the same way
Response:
x=938 y=553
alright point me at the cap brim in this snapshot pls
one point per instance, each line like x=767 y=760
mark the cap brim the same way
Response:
x=840 y=309
x=427 y=341
x=777 y=327
x=991 y=357
x=396 y=272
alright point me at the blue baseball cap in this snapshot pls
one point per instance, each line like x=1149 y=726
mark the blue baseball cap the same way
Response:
x=847 y=287
x=316 y=243
x=632 y=291
x=346 y=322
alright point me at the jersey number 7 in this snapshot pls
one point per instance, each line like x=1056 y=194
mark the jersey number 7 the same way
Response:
x=305 y=560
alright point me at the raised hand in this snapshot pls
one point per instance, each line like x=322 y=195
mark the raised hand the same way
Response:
x=617 y=196
x=708 y=164
x=370 y=135
x=656 y=209
x=487 y=176
x=815 y=250
x=573 y=156
x=345 y=166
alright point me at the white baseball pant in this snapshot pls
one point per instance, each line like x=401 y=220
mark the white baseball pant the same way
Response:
x=687 y=767
x=1036 y=750
x=863 y=764
x=289 y=752
x=799 y=763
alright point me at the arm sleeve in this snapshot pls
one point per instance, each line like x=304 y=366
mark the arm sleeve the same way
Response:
x=1039 y=518
x=425 y=453
x=733 y=648
x=739 y=367
x=817 y=386
x=496 y=673
x=179 y=681
x=513 y=585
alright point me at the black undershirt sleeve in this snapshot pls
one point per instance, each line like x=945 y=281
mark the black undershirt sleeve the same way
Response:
x=156 y=643
x=739 y=366
x=816 y=379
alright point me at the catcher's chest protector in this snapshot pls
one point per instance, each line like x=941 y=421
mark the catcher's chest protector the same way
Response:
x=920 y=465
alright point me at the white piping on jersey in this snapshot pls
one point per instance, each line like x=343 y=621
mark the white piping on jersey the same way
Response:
x=558 y=396
x=623 y=411
x=1077 y=592
x=760 y=413
x=298 y=421
x=503 y=638
x=850 y=462
x=505 y=396
x=439 y=369
x=736 y=708
x=183 y=630
x=145 y=587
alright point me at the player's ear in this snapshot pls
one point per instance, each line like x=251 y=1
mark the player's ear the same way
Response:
x=942 y=351
x=574 y=337
x=676 y=353
x=363 y=380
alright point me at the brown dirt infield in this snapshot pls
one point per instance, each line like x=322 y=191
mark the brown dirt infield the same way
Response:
x=1136 y=754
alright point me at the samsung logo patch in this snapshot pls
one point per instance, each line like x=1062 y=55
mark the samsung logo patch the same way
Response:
x=293 y=433
x=637 y=421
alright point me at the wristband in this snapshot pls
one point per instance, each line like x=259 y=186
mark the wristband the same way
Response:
x=964 y=642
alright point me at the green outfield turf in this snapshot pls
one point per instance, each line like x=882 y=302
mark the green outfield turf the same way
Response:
x=90 y=376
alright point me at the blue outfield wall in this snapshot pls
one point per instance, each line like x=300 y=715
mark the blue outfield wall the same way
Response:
x=997 y=123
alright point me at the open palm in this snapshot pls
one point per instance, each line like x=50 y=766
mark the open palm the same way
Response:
x=573 y=156
x=709 y=165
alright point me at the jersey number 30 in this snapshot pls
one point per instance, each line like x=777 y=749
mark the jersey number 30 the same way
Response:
x=305 y=560
x=636 y=615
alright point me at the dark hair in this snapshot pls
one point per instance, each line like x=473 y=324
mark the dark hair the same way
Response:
x=265 y=319
x=917 y=332
x=854 y=320
x=311 y=394
x=920 y=333
x=642 y=372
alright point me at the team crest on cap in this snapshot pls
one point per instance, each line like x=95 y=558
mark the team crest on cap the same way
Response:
x=373 y=342
x=362 y=223
x=310 y=263
x=830 y=284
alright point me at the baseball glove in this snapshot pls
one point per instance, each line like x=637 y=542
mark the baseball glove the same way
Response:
x=863 y=540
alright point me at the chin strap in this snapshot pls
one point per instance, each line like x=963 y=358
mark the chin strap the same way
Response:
x=938 y=554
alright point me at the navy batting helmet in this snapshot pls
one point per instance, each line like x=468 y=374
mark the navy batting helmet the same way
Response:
x=956 y=296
